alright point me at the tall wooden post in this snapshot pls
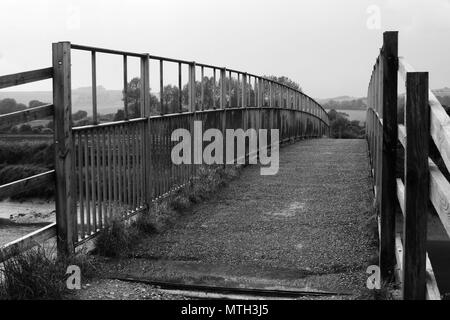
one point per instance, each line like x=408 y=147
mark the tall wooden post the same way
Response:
x=161 y=87
x=94 y=87
x=271 y=105
x=66 y=217
x=125 y=87
x=244 y=101
x=193 y=109
x=191 y=86
x=145 y=113
x=417 y=122
x=389 y=65
x=222 y=89
x=280 y=99
x=223 y=104
x=202 y=89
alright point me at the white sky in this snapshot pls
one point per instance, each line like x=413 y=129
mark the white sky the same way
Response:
x=325 y=45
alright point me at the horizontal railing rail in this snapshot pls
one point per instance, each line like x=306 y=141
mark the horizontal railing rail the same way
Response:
x=16 y=79
x=30 y=183
x=27 y=242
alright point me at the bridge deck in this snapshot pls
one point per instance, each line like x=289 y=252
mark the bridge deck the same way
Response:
x=305 y=227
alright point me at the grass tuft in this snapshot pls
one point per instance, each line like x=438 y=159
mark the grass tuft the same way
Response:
x=116 y=240
x=145 y=224
x=37 y=275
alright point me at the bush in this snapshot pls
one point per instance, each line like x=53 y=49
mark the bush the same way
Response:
x=179 y=202
x=145 y=224
x=35 y=275
x=22 y=159
x=10 y=173
x=26 y=152
x=342 y=128
x=116 y=240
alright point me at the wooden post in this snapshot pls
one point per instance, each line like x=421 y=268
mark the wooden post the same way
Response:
x=270 y=95
x=94 y=87
x=244 y=85
x=223 y=105
x=388 y=192
x=161 y=87
x=238 y=103
x=193 y=109
x=66 y=217
x=180 y=89
x=417 y=122
x=191 y=86
x=125 y=87
x=222 y=89
x=279 y=96
x=144 y=97
x=244 y=101
x=202 y=89
x=229 y=89
x=145 y=113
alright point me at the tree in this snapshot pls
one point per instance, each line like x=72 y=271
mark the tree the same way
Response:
x=342 y=128
x=171 y=98
x=171 y=95
x=286 y=81
x=81 y=114
x=120 y=115
x=134 y=101
x=37 y=130
x=133 y=97
x=35 y=103
x=10 y=105
x=354 y=104
x=25 y=128
x=50 y=125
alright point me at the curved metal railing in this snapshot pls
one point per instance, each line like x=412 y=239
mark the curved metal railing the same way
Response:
x=122 y=166
x=266 y=92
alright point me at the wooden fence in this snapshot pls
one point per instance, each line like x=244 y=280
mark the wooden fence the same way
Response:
x=120 y=167
x=403 y=247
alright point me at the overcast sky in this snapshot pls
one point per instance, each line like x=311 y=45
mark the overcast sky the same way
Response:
x=328 y=46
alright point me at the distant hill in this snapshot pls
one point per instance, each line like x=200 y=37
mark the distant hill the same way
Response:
x=444 y=92
x=108 y=101
x=344 y=103
x=353 y=103
x=337 y=99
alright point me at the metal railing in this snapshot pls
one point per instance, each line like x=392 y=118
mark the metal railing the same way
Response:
x=120 y=167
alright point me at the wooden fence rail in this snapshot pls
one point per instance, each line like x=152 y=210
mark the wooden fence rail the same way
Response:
x=118 y=168
x=404 y=249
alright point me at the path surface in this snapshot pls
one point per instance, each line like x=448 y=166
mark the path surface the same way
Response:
x=304 y=228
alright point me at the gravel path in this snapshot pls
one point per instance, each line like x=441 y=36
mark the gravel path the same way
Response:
x=303 y=228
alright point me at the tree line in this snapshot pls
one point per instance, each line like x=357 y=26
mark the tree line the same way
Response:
x=171 y=96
